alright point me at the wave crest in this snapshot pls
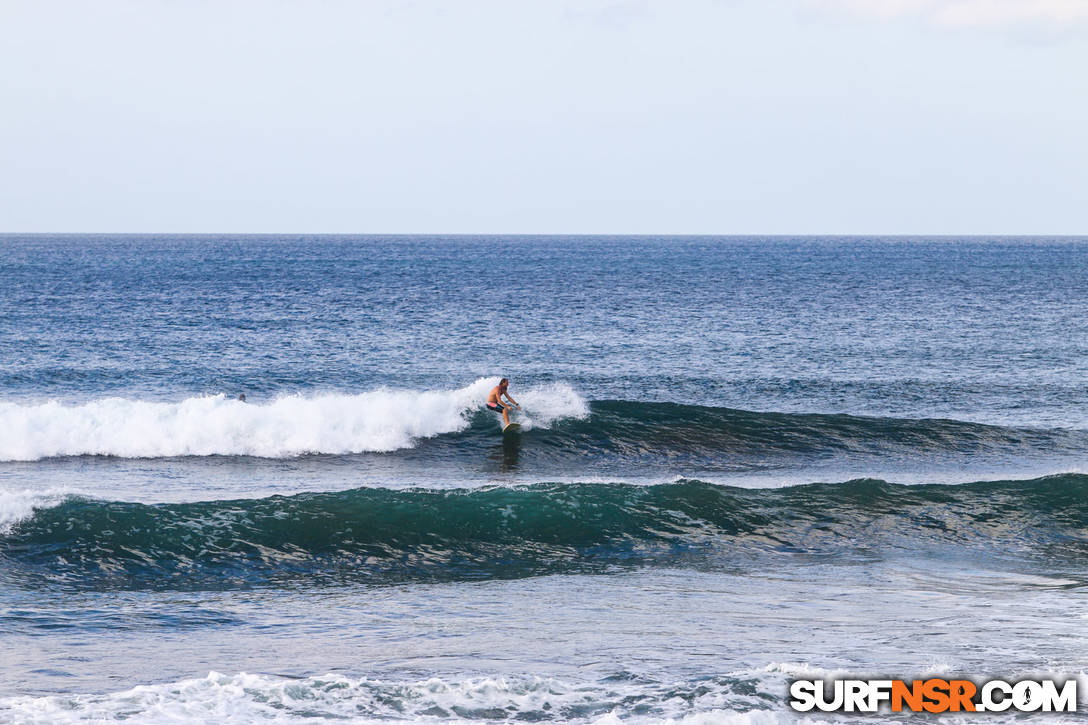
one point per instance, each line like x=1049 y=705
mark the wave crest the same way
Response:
x=376 y=421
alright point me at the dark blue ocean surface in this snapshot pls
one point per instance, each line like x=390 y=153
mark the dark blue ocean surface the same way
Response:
x=742 y=460
x=984 y=329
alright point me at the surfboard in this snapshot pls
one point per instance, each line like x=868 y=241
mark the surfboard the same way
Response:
x=512 y=428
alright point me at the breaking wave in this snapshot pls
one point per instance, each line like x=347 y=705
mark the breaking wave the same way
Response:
x=377 y=421
x=558 y=426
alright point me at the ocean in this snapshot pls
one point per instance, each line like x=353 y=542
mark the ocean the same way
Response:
x=743 y=461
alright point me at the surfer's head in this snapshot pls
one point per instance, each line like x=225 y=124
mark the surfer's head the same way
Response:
x=504 y=383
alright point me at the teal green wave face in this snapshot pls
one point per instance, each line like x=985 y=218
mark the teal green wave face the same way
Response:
x=382 y=536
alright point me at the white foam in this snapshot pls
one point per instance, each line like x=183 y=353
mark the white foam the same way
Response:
x=546 y=404
x=380 y=420
x=249 y=698
x=18 y=505
x=797 y=669
x=245 y=698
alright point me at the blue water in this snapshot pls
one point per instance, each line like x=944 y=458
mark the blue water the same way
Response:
x=742 y=460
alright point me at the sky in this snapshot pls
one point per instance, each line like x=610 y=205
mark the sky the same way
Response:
x=544 y=116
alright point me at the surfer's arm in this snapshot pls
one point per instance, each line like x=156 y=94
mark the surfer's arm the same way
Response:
x=507 y=396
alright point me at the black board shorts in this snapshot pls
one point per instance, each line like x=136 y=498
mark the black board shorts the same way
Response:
x=496 y=408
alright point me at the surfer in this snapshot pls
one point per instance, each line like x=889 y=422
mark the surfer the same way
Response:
x=494 y=401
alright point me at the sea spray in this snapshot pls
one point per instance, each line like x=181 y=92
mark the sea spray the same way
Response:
x=454 y=423
x=290 y=425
